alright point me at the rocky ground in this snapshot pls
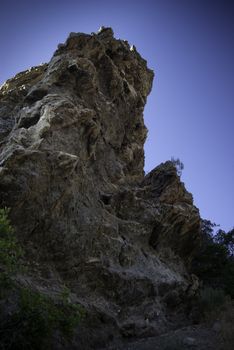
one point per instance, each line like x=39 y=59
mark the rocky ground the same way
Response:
x=193 y=337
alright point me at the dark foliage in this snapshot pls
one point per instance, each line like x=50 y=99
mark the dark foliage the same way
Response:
x=178 y=165
x=214 y=261
x=29 y=320
x=36 y=320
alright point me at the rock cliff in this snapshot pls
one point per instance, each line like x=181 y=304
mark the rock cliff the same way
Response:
x=71 y=170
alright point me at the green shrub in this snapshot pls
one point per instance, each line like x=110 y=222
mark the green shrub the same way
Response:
x=211 y=301
x=10 y=253
x=36 y=320
x=10 y=250
x=178 y=165
x=213 y=263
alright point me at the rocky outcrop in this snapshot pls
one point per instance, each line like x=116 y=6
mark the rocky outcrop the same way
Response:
x=71 y=170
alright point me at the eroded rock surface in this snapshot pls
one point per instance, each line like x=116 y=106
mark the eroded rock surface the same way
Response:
x=71 y=169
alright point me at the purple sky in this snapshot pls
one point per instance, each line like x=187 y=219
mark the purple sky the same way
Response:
x=190 y=46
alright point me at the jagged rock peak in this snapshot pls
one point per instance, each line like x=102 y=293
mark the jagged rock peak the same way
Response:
x=71 y=170
x=107 y=84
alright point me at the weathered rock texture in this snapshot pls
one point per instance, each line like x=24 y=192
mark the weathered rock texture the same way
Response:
x=71 y=156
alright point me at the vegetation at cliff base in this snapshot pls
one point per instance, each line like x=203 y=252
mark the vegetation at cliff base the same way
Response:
x=10 y=250
x=29 y=319
x=36 y=320
x=214 y=261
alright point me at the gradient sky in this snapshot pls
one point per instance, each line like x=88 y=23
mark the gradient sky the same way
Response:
x=190 y=46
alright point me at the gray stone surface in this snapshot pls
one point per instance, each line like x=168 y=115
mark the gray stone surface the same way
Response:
x=71 y=170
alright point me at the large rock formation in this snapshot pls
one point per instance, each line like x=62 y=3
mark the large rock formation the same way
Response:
x=71 y=170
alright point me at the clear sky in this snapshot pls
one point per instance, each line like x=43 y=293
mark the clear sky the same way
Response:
x=190 y=46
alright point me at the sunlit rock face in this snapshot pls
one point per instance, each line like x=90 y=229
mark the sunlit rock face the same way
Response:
x=71 y=170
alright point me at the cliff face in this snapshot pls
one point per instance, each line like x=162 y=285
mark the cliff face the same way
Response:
x=71 y=170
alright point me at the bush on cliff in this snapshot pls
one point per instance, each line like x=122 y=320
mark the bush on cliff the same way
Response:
x=214 y=261
x=10 y=250
x=178 y=165
x=29 y=319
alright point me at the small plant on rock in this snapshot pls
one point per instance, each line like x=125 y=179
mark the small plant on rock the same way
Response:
x=178 y=165
x=10 y=252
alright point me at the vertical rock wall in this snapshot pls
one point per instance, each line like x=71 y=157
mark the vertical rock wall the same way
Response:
x=71 y=170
